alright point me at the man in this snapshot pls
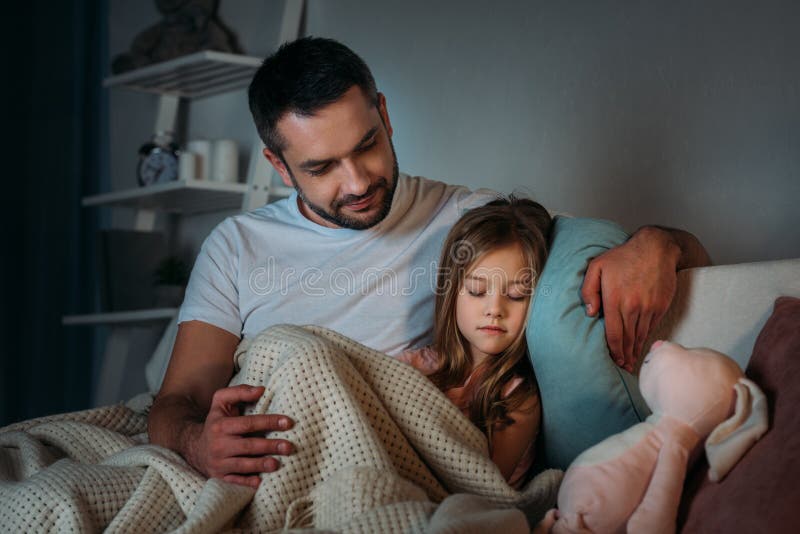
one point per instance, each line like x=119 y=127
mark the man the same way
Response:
x=354 y=249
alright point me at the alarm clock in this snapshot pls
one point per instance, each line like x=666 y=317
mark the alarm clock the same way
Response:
x=158 y=161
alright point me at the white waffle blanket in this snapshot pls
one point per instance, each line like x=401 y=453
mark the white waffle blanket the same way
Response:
x=378 y=449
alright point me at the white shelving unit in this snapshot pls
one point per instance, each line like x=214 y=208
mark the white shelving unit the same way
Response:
x=197 y=75
x=183 y=197
x=194 y=76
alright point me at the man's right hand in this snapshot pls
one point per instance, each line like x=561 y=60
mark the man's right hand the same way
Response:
x=198 y=416
x=230 y=445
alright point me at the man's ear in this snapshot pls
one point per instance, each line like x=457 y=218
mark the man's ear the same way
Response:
x=279 y=165
x=384 y=113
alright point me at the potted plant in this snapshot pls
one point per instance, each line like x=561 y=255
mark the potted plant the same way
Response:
x=171 y=277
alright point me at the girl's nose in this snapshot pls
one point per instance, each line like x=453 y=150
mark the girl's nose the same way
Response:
x=493 y=307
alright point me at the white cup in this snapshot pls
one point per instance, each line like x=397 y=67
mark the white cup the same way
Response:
x=224 y=161
x=201 y=148
x=187 y=168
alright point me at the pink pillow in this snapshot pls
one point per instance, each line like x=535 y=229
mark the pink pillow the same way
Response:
x=762 y=492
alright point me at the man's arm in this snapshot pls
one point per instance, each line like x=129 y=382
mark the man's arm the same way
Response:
x=197 y=415
x=636 y=282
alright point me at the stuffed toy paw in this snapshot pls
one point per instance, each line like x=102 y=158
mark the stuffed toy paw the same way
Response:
x=633 y=481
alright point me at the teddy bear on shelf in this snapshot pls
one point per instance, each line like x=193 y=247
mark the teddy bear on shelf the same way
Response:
x=632 y=481
x=188 y=26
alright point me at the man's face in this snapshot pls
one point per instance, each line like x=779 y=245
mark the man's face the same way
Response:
x=341 y=161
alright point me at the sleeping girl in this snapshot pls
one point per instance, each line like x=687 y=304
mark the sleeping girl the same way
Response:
x=487 y=273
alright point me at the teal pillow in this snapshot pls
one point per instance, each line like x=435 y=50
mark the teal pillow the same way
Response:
x=585 y=396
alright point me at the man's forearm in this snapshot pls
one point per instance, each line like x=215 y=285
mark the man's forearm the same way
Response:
x=176 y=422
x=692 y=253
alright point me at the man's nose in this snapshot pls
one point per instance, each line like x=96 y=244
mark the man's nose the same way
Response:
x=356 y=179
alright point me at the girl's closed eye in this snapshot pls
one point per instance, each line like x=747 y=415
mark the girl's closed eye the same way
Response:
x=520 y=292
x=475 y=288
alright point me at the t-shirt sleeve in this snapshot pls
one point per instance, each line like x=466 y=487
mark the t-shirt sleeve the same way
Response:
x=468 y=200
x=212 y=295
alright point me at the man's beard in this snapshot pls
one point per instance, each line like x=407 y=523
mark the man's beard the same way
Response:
x=343 y=221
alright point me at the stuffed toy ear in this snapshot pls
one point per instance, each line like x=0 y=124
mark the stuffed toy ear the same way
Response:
x=732 y=438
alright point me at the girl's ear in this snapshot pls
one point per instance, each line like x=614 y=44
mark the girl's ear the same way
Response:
x=732 y=438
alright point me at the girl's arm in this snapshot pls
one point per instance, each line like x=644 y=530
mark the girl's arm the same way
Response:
x=510 y=444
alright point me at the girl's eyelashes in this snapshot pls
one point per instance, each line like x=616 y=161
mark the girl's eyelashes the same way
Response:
x=514 y=297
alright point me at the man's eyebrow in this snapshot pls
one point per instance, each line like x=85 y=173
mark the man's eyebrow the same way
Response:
x=311 y=163
x=367 y=136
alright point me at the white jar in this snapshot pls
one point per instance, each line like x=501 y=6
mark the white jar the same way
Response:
x=201 y=148
x=225 y=161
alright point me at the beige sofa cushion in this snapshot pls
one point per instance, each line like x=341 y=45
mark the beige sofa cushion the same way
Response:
x=724 y=307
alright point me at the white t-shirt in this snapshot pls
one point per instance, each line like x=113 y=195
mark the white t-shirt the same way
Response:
x=272 y=265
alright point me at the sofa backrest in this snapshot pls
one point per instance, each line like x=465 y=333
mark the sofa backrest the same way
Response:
x=724 y=307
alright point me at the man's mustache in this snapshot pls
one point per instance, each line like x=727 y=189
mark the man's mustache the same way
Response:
x=352 y=199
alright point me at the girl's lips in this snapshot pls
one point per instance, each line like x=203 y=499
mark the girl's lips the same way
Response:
x=492 y=330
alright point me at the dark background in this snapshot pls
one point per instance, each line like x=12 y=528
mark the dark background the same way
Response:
x=54 y=151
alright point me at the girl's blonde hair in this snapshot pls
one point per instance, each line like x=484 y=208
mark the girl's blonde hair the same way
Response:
x=499 y=223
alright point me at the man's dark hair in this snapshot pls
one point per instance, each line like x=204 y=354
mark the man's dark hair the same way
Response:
x=302 y=77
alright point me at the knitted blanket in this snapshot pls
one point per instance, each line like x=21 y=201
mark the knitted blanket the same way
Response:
x=378 y=449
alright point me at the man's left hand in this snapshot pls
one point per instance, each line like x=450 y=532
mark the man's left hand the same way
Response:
x=636 y=282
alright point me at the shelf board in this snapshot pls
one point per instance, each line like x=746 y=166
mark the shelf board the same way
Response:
x=123 y=317
x=181 y=196
x=196 y=75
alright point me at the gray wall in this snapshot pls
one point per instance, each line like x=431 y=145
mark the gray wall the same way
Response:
x=678 y=113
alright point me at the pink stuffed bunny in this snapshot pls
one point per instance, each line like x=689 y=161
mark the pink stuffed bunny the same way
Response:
x=632 y=481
